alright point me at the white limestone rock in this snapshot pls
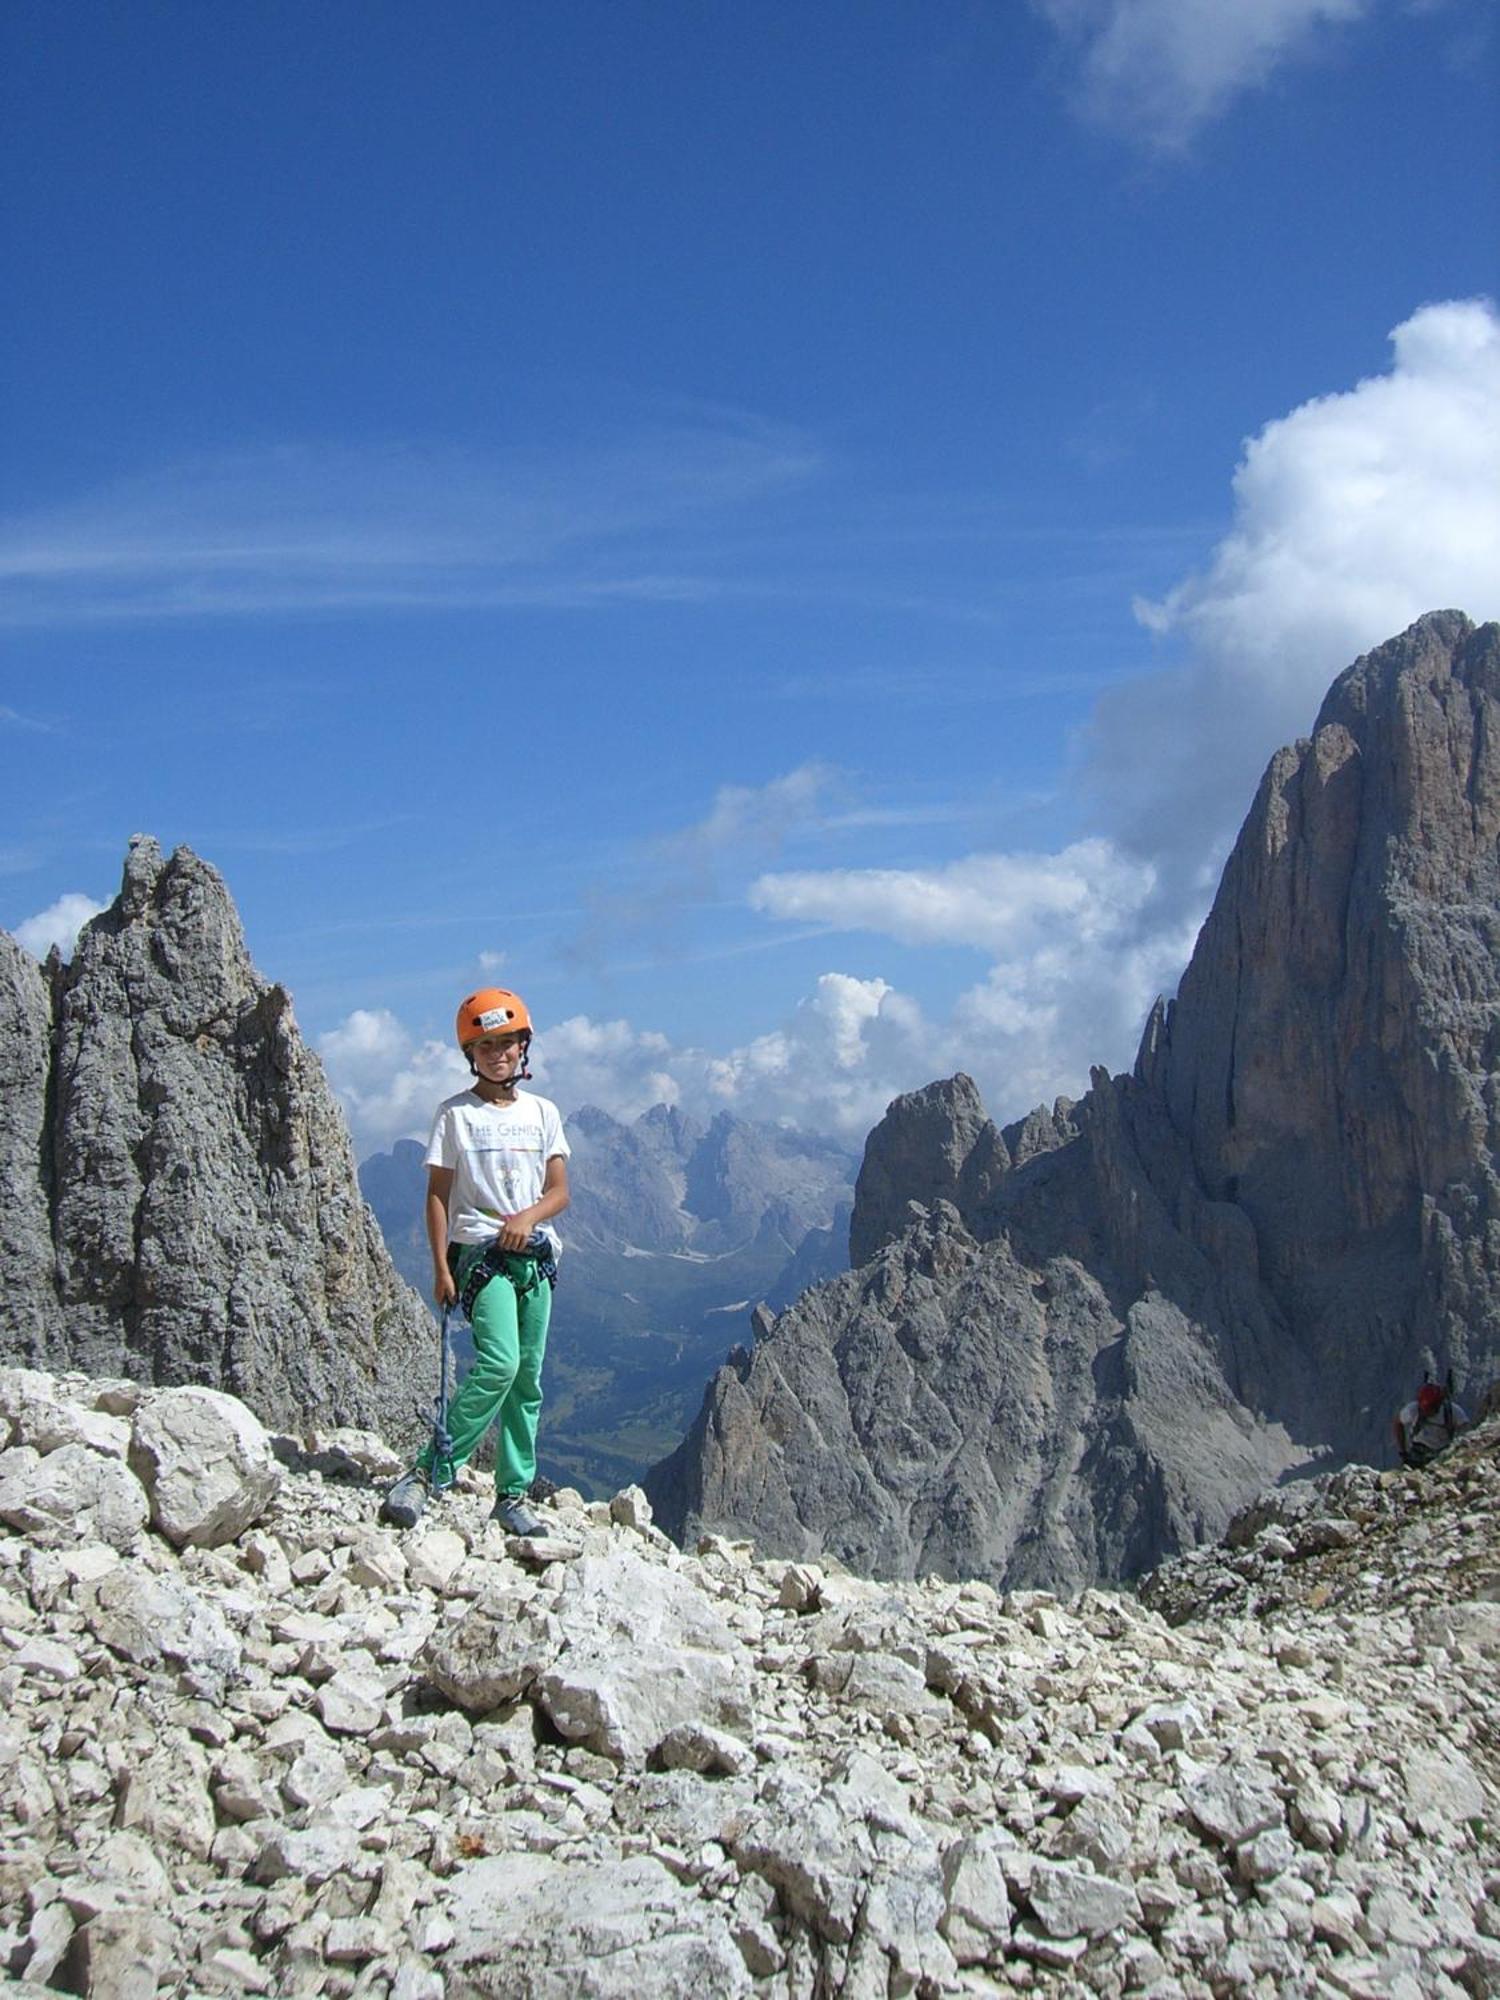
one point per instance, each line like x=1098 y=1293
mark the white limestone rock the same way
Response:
x=977 y=1919
x=71 y=1494
x=144 y=1618
x=538 y=1929
x=642 y=1654
x=493 y=1654
x=206 y=1464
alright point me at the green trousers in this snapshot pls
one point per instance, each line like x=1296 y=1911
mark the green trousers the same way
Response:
x=505 y=1383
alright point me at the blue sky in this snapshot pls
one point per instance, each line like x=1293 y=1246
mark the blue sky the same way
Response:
x=785 y=532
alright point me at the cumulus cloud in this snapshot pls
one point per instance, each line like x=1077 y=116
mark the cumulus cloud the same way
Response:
x=388 y=1081
x=57 y=925
x=828 y=1067
x=623 y=1070
x=1352 y=516
x=999 y=903
x=1162 y=69
x=1070 y=977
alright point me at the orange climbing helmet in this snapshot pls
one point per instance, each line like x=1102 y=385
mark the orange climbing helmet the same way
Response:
x=493 y=1010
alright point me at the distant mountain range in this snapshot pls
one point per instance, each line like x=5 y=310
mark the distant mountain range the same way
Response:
x=676 y=1230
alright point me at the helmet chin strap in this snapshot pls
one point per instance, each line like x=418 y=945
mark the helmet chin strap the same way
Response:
x=522 y=1074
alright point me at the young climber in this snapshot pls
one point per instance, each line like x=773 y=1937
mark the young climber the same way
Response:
x=496 y=1176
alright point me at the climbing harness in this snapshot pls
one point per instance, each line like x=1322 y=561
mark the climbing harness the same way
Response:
x=526 y=1269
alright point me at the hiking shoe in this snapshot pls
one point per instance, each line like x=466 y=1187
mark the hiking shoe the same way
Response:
x=511 y=1511
x=406 y=1499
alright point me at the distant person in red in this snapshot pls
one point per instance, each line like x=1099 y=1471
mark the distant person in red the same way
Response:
x=497 y=1173
x=1429 y=1424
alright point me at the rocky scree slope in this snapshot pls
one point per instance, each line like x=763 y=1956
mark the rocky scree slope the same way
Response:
x=1081 y=1343
x=178 y=1198
x=253 y=1742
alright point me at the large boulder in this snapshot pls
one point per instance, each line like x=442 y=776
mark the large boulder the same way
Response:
x=206 y=1464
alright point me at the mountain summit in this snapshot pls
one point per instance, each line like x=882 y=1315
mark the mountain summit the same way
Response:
x=178 y=1199
x=1079 y=1344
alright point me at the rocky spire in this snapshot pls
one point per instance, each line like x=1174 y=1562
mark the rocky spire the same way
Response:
x=181 y=1204
x=1080 y=1344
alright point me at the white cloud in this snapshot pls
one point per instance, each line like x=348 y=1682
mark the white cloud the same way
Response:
x=388 y=1082
x=1163 y=68
x=827 y=1068
x=996 y=902
x=57 y=925
x=758 y=815
x=1069 y=982
x=1352 y=516
x=300 y=528
x=621 y=1069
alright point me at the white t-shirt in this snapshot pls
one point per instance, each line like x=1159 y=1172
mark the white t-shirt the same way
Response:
x=498 y=1154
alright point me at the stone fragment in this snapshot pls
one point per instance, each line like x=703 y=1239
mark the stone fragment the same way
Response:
x=206 y=1464
x=311 y=1854
x=615 y=1931
x=1232 y=1804
x=70 y=1495
x=1265 y=1856
x=352 y=1702
x=492 y=1654
x=801 y=1587
x=121 y=1954
x=376 y=1562
x=631 y=1509
x=165 y=1795
x=977 y=1918
x=146 y=1617
x=694 y=1746
x=434 y=1556
x=353 y=1940
x=41 y=1415
x=1437 y=1778
x=1069 y=1902
x=643 y=1652
x=47 y=1659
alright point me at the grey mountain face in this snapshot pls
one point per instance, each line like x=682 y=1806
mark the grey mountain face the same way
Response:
x=1081 y=1343
x=674 y=1227
x=178 y=1198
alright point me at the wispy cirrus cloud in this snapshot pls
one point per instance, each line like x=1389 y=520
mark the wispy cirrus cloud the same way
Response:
x=306 y=528
x=1160 y=70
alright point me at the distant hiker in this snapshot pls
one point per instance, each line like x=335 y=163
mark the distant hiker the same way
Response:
x=1429 y=1424
x=496 y=1175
